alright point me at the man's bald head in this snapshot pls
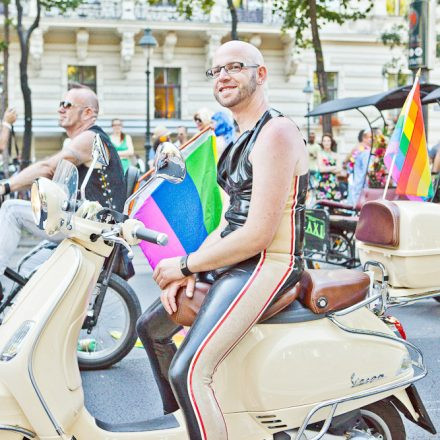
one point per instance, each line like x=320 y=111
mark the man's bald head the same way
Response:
x=238 y=51
x=85 y=96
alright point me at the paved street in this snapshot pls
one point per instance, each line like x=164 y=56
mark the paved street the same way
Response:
x=127 y=391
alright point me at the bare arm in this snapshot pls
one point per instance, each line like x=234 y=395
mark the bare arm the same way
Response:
x=79 y=151
x=277 y=156
x=9 y=118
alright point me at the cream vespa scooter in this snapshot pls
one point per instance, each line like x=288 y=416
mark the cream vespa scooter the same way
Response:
x=400 y=241
x=333 y=370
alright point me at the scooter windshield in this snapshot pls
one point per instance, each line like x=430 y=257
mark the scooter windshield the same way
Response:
x=66 y=177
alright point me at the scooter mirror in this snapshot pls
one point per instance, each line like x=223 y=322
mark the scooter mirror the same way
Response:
x=100 y=151
x=169 y=163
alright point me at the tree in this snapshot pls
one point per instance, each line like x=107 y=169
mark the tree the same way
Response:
x=302 y=15
x=5 y=92
x=24 y=36
x=186 y=8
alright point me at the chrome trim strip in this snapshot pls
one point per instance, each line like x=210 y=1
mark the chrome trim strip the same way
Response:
x=396 y=301
x=18 y=429
x=367 y=393
x=55 y=424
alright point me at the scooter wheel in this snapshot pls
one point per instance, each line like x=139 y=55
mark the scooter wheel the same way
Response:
x=114 y=334
x=383 y=419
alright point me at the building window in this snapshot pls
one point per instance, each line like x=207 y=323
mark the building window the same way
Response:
x=332 y=85
x=85 y=75
x=167 y=93
x=2 y=77
x=397 y=7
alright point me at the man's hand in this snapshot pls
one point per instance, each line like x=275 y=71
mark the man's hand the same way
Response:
x=10 y=116
x=168 y=296
x=88 y=210
x=167 y=271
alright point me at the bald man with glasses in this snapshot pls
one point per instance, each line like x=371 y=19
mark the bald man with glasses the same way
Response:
x=77 y=116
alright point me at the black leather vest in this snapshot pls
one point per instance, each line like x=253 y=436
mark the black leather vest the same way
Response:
x=235 y=177
x=106 y=185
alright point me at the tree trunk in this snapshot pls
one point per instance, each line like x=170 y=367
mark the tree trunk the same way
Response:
x=320 y=69
x=5 y=91
x=24 y=38
x=234 y=20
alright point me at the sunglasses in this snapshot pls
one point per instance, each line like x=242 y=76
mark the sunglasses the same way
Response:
x=67 y=104
x=198 y=120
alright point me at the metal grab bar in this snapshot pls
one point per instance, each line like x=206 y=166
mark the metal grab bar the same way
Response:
x=419 y=363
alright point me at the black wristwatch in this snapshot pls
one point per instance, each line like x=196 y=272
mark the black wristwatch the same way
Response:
x=6 y=186
x=184 y=266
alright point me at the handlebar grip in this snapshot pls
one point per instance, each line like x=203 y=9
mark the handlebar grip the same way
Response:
x=151 y=236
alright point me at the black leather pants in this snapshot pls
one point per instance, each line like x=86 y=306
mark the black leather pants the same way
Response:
x=232 y=304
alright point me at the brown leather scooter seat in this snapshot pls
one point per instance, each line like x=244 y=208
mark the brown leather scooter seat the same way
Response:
x=187 y=308
x=379 y=223
x=324 y=291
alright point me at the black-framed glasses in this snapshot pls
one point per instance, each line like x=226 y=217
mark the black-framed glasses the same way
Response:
x=67 y=104
x=234 y=67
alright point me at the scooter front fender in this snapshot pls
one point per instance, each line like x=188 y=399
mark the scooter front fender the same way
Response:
x=410 y=404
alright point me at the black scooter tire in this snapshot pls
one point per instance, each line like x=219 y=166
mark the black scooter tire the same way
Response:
x=129 y=297
x=383 y=414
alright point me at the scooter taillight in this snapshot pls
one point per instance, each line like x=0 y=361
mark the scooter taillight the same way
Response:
x=392 y=321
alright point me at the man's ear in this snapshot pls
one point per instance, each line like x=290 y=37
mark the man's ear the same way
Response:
x=261 y=74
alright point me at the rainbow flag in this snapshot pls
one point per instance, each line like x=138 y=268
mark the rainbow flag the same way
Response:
x=187 y=212
x=407 y=156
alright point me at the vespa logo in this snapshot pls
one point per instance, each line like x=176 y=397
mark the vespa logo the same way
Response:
x=357 y=381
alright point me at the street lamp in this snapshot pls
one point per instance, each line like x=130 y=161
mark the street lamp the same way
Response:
x=308 y=91
x=148 y=43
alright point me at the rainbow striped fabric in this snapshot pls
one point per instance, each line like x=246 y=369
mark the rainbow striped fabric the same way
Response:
x=407 y=155
x=186 y=212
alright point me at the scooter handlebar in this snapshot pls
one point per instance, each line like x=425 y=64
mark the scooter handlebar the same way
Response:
x=151 y=236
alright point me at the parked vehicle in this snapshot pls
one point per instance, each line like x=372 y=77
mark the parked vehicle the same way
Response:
x=402 y=240
x=338 y=219
x=325 y=366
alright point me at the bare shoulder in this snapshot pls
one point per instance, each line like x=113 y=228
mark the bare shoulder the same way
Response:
x=81 y=146
x=284 y=139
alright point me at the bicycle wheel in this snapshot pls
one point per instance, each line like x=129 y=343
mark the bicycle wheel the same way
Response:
x=114 y=334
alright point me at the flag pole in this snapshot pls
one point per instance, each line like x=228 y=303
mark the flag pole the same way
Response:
x=389 y=177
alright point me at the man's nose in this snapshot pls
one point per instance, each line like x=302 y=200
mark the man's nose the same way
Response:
x=223 y=74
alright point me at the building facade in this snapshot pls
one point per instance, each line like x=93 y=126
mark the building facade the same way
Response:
x=97 y=44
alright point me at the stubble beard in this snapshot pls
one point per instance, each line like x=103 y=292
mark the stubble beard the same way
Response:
x=243 y=93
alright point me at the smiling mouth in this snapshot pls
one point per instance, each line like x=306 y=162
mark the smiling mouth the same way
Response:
x=222 y=89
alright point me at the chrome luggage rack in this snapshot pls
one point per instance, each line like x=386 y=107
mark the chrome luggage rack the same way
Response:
x=383 y=286
x=418 y=362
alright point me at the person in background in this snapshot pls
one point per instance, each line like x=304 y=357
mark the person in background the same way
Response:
x=182 y=136
x=314 y=149
x=202 y=118
x=328 y=187
x=123 y=143
x=354 y=188
x=160 y=134
x=224 y=131
x=9 y=119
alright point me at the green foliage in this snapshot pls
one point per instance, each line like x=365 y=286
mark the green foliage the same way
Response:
x=61 y=5
x=186 y=7
x=397 y=36
x=296 y=15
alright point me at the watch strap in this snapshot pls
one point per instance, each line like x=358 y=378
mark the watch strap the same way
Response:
x=7 y=186
x=184 y=266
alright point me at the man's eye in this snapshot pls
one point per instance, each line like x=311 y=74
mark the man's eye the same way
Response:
x=215 y=70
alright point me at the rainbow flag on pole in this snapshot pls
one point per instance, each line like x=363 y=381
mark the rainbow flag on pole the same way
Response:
x=187 y=212
x=407 y=156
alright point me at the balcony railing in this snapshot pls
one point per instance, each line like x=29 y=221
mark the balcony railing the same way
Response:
x=255 y=12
